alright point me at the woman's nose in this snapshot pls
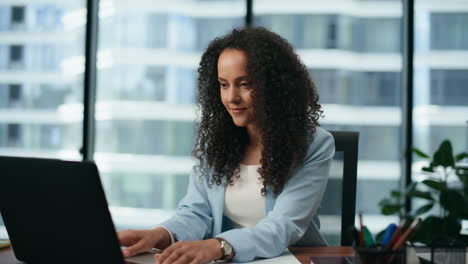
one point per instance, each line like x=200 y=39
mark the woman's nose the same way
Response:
x=233 y=95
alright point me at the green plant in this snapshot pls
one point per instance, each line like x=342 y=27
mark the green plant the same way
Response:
x=445 y=190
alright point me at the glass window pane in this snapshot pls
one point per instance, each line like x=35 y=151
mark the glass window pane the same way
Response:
x=40 y=98
x=442 y=36
x=40 y=93
x=354 y=56
x=147 y=68
x=440 y=79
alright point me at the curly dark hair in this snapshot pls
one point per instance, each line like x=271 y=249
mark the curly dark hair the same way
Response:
x=285 y=105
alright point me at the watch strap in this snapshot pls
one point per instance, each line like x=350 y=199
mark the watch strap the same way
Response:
x=222 y=243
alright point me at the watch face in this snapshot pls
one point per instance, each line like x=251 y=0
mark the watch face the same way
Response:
x=227 y=248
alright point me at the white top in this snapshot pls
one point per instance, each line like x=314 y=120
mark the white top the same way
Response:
x=243 y=202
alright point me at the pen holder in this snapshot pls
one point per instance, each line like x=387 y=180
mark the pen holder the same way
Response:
x=378 y=255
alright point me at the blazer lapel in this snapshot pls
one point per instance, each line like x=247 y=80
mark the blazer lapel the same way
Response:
x=217 y=202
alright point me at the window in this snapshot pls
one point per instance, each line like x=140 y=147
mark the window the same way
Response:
x=146 y=94
x=13 y=134
x=284 y=25
x=375 y=88
x=304 y=31
x=315 y=31
x=376 y=35
x=448 y=87
x=15 y=94
x=448 y=30
x=40 y=94
x=147 y=60
x=356 y=95
x=327 y=82
x=208 y=28
x=357 y=87
x=332 y=32
x=17 y=14
x=16 y=53
x=440 y=93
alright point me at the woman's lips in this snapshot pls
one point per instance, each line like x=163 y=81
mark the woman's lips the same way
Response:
x=237 y=110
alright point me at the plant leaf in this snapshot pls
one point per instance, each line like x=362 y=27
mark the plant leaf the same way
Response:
x=384 y=202
x=452 y=225
x=390 y=209
x=461 y=171
x=396 y=194
x=387 y=207
x=423 y=209
x=461 y=156
x=463 y=238
x=462 y=174
x=432 y=227
x=424 y=232
x=464 y=214
x=444 y=155
x=453 y=201
x=420 y=194
x=419 y=153
x=436 y=185
x=428 y=169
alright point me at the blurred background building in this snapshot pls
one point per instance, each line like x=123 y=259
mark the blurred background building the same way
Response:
x=147 y=68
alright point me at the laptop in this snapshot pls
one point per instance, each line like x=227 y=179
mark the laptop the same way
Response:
x=56 y=212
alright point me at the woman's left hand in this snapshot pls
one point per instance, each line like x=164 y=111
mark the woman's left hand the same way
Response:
x=190 y=252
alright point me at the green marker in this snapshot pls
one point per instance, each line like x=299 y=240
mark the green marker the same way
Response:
x=368 y=238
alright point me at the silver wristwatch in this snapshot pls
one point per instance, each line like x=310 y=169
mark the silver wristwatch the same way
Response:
x=225 y=246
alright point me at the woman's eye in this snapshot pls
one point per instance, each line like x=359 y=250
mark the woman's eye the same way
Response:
x=223 y=85
x=244 y=84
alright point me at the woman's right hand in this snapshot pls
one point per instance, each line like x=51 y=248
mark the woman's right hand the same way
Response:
x=138 y=241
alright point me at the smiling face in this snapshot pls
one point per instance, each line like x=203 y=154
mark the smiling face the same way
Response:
x=235 y=88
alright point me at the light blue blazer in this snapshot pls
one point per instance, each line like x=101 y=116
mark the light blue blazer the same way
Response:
x=291 y=216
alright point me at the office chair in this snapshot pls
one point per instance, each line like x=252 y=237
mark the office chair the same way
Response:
x=346 y=146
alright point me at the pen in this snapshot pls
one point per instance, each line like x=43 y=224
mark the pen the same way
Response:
x=403 y=238
x=396 y=234
x=407 y=234
x=368 y=239
x=388 y=234
x=361 y=231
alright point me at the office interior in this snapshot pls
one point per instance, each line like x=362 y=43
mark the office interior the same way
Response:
x=141 y=134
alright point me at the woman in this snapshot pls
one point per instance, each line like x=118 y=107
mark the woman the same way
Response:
x=263 y=161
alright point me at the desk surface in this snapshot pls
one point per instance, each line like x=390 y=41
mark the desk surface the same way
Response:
x=301 y=253
x=304 y=253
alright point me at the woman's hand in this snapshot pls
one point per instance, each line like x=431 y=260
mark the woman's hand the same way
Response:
x=138 y=241
x=191 y=252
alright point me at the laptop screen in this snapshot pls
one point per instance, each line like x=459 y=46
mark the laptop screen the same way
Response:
x=56 y=211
